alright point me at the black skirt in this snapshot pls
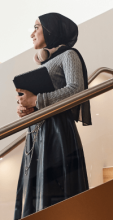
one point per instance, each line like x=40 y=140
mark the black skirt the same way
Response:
x=57 y=170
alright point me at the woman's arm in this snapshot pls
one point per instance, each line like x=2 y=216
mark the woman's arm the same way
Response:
x=72 y=68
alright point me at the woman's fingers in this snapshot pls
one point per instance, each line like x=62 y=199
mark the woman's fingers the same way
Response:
x=28 y=99
x=22 y=111
x=22 y=115
x=20 y=99
x=21 y=107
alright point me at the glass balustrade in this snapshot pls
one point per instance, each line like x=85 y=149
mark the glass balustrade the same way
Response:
x=97 y=139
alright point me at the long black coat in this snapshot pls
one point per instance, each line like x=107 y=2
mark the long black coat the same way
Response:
x=57 y=169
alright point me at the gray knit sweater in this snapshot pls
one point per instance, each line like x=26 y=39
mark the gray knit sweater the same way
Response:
x=66 y=74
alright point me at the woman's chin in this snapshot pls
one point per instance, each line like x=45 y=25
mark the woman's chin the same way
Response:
x=35 y=47
x=39 y=46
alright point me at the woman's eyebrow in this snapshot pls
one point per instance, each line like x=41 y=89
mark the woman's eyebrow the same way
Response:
x=36 y=24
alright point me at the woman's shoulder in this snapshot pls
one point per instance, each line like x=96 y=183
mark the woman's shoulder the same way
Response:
x=70 y=55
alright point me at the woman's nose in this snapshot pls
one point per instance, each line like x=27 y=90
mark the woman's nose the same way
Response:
x=32 y=34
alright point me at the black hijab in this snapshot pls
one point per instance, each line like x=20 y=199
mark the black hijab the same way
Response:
x=58 y=30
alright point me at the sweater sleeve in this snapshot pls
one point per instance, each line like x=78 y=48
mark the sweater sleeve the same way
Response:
x=72 y=68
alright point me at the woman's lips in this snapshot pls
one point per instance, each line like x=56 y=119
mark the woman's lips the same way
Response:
x=34 y=40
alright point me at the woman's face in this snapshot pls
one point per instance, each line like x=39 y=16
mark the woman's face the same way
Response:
x=38 y=36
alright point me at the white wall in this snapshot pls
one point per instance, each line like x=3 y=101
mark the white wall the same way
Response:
x=96 y=46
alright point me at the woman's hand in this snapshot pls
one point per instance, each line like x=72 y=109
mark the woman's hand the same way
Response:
x=27 y=99
x=25 y=111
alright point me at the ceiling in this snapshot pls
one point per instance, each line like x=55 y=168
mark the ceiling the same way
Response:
x=17 y=19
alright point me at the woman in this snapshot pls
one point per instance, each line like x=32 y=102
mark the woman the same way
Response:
x=53 y=165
